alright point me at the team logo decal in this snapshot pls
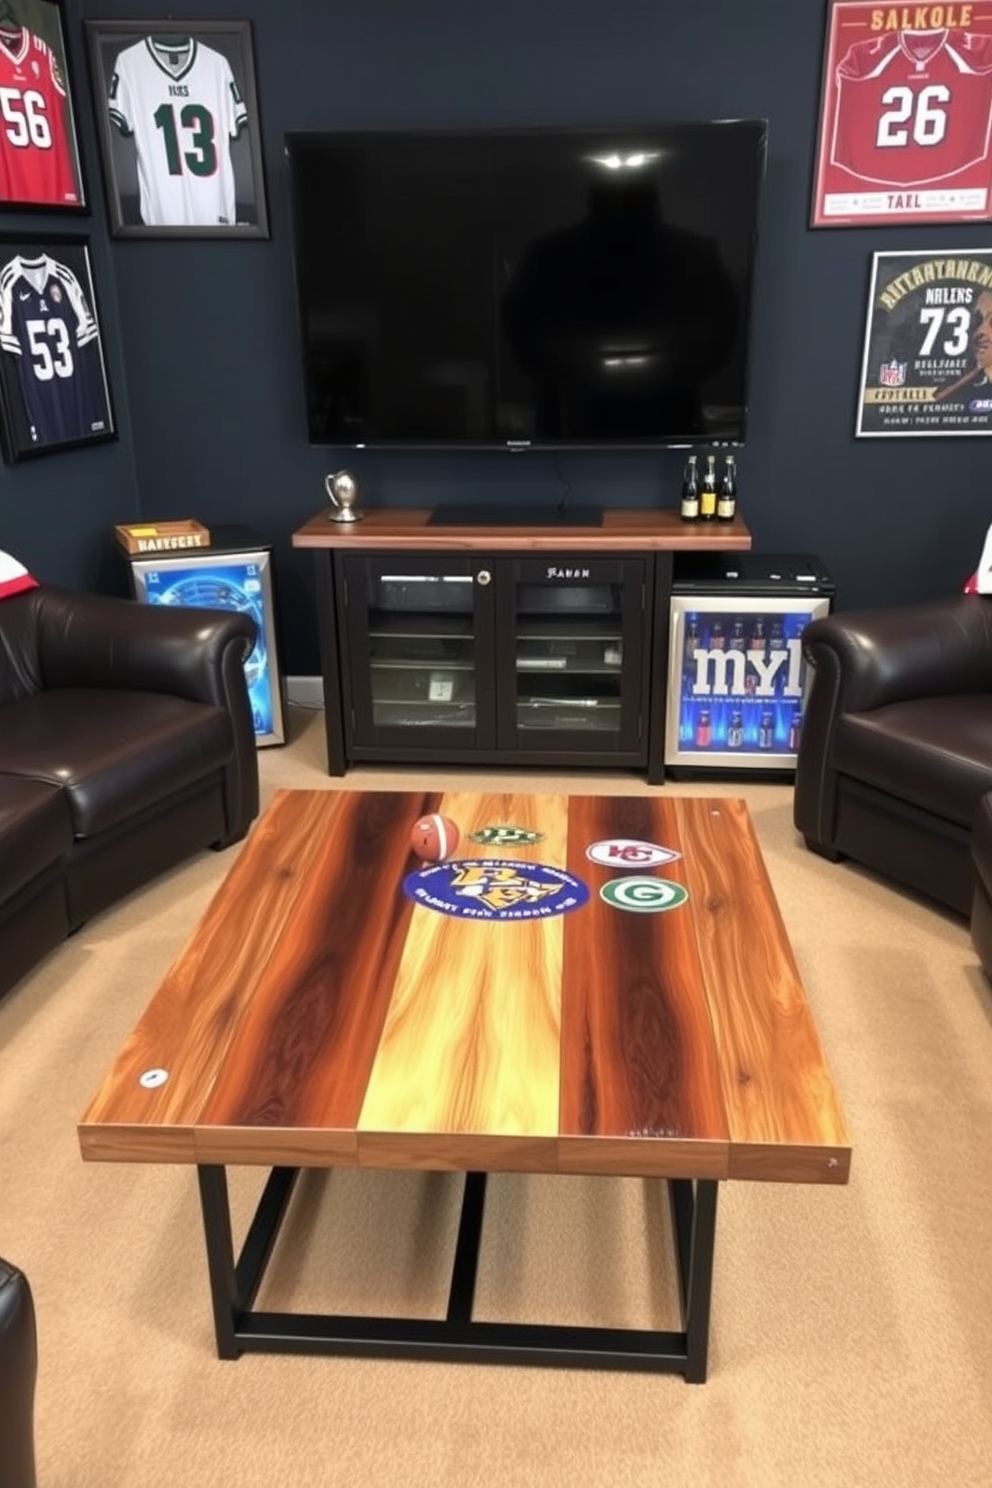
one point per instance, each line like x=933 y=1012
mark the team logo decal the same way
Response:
x=493 y=889
x=892 y=374
x=56 y=293
x=505 y=837
x=627 y=852
x=644 y=895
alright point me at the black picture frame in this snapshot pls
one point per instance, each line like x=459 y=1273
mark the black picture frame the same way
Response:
x=54 y=390
x=40 y=163
x=926 y=363
x=179 y=130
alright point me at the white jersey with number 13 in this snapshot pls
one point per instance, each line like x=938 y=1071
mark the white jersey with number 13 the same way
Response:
x=182 y=105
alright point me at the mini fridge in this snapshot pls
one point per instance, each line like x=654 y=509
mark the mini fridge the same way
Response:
x=737 y=678
x=234 y=573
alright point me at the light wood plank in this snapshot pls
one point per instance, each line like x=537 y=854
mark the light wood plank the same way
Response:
x=471 y=1039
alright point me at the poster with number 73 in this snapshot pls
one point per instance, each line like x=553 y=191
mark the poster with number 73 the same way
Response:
x=927 y=363
x=905 y=115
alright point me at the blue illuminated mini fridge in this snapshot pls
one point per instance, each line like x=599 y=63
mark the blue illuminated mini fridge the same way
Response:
x=737 y=679
x=234 y=573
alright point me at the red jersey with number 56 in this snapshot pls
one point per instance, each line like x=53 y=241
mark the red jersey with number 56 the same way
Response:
x=913 y=106
x=36 y=163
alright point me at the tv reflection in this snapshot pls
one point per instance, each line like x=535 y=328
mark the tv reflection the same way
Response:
x=620 y=318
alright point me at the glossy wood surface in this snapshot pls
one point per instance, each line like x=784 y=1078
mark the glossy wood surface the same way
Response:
x=621 y=531
x=319 y=1016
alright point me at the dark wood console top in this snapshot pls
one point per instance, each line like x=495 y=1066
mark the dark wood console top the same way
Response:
x=620 y=531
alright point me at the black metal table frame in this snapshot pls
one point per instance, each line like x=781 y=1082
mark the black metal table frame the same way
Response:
x=234 y=1285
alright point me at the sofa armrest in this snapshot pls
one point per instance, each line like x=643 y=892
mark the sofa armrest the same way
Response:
x=89 y=640
x=874 y=657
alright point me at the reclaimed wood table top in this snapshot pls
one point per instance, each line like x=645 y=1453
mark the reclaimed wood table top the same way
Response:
x=591 y=984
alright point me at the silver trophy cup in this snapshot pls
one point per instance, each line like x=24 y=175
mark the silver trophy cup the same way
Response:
x=342 y=492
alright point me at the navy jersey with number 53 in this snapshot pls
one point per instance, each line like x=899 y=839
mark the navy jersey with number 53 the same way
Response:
x=47 y=325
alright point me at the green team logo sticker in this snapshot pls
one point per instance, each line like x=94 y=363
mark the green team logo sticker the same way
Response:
x=644 y=895
x=505 y=836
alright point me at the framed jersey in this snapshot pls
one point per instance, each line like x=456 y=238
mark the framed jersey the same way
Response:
x=54 y=393
x=179 y=131
x=39 y=151
x=905 y=129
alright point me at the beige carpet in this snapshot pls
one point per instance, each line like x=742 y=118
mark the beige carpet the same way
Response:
x=850 y=1335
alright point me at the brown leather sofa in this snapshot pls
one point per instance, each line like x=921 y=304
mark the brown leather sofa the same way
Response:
x=896 y=752
x=18 y=1375
x=126 y=744
x=981 y=906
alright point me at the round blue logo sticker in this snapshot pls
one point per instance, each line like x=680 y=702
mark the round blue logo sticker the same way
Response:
x=495 y=889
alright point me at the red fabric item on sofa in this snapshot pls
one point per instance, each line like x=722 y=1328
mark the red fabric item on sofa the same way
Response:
x=14 y=577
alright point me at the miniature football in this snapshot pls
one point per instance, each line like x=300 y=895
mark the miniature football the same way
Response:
x=434 y=837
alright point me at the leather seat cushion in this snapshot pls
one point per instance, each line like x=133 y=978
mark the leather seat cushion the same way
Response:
x=116 y=753
x=933 y=752
x=35 y=831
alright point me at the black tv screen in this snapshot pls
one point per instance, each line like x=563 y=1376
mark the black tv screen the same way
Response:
x=526 y=288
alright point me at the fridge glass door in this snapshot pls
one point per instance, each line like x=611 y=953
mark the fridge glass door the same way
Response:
x=737 y=680
x=236 y=581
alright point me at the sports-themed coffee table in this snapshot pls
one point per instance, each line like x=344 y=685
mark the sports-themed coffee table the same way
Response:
x=593 y=985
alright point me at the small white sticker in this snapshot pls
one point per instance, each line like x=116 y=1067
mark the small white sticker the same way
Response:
x=153 y=1078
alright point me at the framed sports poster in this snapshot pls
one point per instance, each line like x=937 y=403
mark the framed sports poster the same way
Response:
x=927 y=362
x=39 y=151
x=54 y=393
x=177 y=113
x=905 y=130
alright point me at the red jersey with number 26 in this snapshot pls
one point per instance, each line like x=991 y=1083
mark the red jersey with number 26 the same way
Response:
x=913 y=106
x=36 y=163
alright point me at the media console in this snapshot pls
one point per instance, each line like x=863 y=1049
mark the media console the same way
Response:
x=499 y=645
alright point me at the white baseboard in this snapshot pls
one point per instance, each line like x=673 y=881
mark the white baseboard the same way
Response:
x=308 y=692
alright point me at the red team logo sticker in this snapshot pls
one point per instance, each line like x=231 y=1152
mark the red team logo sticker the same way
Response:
x=905 y=115
x=627 y=852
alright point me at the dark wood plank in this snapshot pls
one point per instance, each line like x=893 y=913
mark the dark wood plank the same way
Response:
x=638 y=1059
x=306 y=1042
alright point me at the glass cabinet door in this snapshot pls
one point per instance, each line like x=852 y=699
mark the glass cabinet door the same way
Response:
x=578 y=646
x=416 y=676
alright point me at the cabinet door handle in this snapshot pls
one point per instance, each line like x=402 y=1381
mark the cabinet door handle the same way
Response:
x=483 y=577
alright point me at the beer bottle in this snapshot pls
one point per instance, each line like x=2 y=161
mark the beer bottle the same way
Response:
x=690 y=491
x=726 y=505
x=707 y=496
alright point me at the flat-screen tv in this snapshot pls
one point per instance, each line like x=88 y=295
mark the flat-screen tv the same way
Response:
x=526 y=288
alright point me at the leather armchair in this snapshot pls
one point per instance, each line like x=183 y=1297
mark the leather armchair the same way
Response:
x=896 y=751
x=18 y=1374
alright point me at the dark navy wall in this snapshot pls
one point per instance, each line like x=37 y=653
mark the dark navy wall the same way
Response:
x=201 y=336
